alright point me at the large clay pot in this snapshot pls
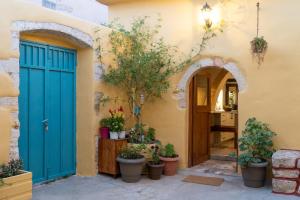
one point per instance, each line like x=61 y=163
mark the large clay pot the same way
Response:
x=146 y=153
x=155 y=171
x=131 y=169
x=104 y=132
x=171 y=164
x=254 y=175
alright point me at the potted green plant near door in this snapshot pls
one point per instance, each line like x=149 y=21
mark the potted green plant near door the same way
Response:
x=131 y=163
x=170 y=159
x=155 y=164
x=256 y=148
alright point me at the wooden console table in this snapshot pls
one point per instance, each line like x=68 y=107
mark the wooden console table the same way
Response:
x=218 y=128
x=107 y=155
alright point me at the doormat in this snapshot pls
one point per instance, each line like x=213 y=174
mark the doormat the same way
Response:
x=204 y=180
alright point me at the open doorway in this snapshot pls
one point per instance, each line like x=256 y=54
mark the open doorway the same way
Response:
x=213 y=121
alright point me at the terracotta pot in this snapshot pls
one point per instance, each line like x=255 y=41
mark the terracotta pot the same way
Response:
x=170 y=168
x=254 y=175
x=131 y=169
x=104 y=132
x=155 y=171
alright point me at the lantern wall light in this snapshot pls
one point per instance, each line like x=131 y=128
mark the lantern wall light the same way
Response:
x=209 y=17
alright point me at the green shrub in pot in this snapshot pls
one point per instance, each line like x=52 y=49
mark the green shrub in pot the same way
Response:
x=256 y=147
x=170 y=158
x=155 y=164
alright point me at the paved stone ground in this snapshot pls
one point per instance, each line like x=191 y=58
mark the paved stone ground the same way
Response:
x=168 y=188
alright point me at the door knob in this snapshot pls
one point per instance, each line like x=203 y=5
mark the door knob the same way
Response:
x=45 y=124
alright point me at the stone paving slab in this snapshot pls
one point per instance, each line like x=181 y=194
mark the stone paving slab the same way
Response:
x=168 y=188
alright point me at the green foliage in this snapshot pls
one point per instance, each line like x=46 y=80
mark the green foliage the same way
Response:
x=132 y=152
x=143 y=61
x=155 y=160
x=150 y=136
x=259 y=48
x=168 y=151
x=116 y=124
x=256 y=143
x=11 y=169
x=105 y=122
x=116 y=121
x=136 y=133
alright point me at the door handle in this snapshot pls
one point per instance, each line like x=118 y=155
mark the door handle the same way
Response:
x=45 y=124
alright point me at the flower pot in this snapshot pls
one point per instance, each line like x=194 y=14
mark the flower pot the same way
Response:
x=171 y=164
x=17 y=187
x=122 y=134
x=254 y=175
x=155 y=171
x=104 y=132
x=131 y=169
x=113 y=135
x=147 y=155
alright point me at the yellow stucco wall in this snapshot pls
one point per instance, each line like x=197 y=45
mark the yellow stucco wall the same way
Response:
x=86 y=85
x=7 y=89
x=272 y=94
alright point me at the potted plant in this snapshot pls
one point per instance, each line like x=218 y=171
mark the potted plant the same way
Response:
x=131 y=163
x=149 y=137
x=256 y=146
x=14 y=182
x=155 y=164
x=259 y=48
x=104 y=128
x=116 y=124
x=170 y=159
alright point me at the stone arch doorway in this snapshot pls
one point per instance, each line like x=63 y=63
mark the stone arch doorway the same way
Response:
x=80 y=42
x=185 y=100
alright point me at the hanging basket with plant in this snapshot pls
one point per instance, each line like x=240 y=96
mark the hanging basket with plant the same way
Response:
x=259 y=48
x=259 y=45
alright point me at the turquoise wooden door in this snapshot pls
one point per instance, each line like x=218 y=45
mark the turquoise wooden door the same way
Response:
x=47 y=110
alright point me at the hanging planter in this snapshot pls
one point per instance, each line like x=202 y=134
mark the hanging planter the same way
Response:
x=259 y=45
x=259 y=48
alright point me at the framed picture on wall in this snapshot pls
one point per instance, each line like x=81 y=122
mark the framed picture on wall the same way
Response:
x=231 y=94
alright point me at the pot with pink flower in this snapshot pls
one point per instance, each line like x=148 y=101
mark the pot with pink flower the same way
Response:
x=104 y=128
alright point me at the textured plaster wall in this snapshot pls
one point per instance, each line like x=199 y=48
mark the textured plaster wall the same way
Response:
x=7 y=89
x=271 y=93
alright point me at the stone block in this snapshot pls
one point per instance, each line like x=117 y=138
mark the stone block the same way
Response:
x=286 y=173
x=285 y=159
x=284 y=186
x=298 y=165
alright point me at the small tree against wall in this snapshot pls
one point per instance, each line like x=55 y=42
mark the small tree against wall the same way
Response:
x=142 y=61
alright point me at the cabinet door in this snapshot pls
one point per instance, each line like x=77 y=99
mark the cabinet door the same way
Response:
x=227 y=119
x=107 y=158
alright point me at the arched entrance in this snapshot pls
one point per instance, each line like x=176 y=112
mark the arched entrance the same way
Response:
x=204 y=90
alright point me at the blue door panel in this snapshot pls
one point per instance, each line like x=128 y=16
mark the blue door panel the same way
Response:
x=36 y=129
x=47 y=92
x=54 y=118
x=67 y=86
